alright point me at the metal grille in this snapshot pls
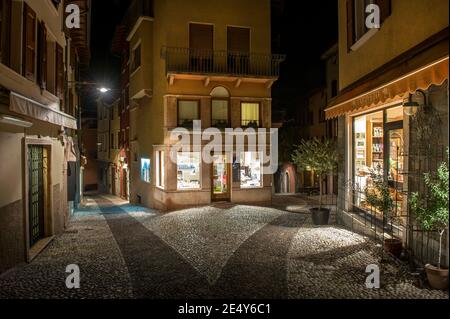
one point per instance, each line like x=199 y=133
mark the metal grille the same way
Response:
x=36 y=193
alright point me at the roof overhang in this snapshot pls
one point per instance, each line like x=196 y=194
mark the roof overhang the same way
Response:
x=424 y=65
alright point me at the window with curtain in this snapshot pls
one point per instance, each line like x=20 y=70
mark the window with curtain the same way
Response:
x=219 y=113
x=188 y=111
x=250 y=115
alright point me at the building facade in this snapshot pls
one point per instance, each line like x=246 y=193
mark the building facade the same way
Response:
x=104 y=111
x=38 y=125
x=377 y=131
x=197 y=64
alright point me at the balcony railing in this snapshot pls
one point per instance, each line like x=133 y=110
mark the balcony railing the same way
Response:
x=241 y=64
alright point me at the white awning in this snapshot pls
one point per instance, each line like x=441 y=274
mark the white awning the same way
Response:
x=25 y=106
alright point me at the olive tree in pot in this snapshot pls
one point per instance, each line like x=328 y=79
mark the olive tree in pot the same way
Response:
x=378 y=196
x=431 y=211
x=321 y=157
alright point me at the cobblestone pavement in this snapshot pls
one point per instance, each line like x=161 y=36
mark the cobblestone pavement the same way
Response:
x=219 y=251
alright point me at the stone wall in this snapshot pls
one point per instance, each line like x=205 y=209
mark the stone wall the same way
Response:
x=12 y=242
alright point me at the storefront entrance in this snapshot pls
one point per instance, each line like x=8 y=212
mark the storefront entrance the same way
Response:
x=221 y=179
x=378 y=147
x=394 y=162
x=37 y=174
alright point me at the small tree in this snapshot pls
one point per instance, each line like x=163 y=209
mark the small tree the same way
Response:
x=431 y=208
x=318 y=155
x=378 y=195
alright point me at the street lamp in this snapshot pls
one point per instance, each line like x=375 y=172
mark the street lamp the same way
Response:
x=411 y=107
x=103 y=90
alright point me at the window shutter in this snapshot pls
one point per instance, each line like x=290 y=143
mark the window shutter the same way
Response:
x=42 y=45
x=350 y=24
x=59 y=72
x=385 y=9
x=5 y=31
x=29 y=39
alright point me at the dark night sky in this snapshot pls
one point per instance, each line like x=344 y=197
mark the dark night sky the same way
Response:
x=308 y=29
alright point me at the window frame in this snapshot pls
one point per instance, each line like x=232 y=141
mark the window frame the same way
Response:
x=178 y=110
x=141 y=177
x=228 y=124
x=26 y=11
x=135 y=67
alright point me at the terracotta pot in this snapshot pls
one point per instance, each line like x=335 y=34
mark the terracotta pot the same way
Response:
x=393 y=246
x=320 y=216
x=437 y=277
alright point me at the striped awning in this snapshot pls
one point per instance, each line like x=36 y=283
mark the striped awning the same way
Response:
x=434 y=74
x=25 y=106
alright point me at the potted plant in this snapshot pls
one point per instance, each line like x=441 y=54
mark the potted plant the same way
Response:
x=321 y=157
x=431 y=211
x=379 y=197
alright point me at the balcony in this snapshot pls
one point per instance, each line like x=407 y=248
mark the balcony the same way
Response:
x=239 y=65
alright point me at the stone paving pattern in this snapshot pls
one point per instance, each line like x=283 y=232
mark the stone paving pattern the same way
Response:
x=219 y=251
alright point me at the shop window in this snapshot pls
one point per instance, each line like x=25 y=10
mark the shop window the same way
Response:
x=378 y=149
x=250 y=115
x=188 y=170
x=188 y=112
x=160 y=169
x=250 y=167
x=219 y=113
x=145 y=170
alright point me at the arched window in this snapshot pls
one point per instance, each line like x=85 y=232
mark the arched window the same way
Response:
x=220 y=111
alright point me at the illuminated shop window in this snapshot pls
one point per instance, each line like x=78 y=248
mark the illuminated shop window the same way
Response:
x=145 y=170
x=251 y=169
x=188 y=170
x=160 y=169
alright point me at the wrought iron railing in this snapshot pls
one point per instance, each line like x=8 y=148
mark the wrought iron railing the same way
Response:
x=200 y=61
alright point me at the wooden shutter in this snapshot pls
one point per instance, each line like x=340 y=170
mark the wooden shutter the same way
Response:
x=350 y=24
x=238 y=39
x=42 y=57
x=385 y=9
x=5 y=31
x=59 y=72
x=29 y=41
x=201 y=36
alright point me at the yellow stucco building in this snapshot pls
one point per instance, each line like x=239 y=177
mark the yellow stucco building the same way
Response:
x=38 y=126
x=208 y=61
x=392 y=112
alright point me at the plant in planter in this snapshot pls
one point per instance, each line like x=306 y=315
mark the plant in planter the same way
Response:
x=379 y=197
x=320 y=156
x=431 y=211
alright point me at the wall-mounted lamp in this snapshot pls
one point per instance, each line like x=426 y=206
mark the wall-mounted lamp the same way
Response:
x=411 y=107
x=7 y=119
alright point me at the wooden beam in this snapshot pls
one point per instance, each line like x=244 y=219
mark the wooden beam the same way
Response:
x=238 y=83
x=269 y=84
x=171 y=80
